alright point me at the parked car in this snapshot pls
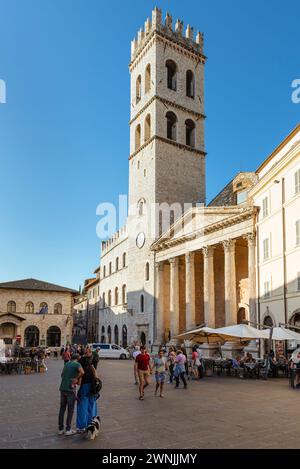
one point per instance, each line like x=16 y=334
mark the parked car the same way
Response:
x=111 y=351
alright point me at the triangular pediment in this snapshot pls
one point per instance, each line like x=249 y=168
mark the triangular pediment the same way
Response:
x=198 y=221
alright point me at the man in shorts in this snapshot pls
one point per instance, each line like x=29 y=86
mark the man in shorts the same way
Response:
x=143 y=369
x=160 y=368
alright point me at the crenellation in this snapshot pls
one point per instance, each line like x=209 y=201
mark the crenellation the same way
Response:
x=179 y=27
x=189 y=33
x=147 y=26
x=169 y=21
x=166 y=30
x=156 y=17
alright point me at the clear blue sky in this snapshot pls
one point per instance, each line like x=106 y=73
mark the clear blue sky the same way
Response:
x=64 y=135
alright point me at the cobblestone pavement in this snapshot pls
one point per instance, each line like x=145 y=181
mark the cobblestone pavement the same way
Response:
x=217 y=412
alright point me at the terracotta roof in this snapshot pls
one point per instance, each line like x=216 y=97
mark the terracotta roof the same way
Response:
x=33 y=284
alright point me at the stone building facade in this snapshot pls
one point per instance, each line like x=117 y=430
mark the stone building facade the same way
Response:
x=179 y=262
x=36 y=312
x=277 y=195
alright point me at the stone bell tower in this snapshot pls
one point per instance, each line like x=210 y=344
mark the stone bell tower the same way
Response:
x=167 y=151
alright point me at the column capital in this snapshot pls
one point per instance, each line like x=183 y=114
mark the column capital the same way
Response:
x=189 y=257
x=173 y=260
x=228 y=244
x=251 y=238
x=159 y=266
x=208 y=251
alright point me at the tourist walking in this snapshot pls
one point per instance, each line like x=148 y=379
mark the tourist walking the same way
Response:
x=135 y=353
x=179 y=369
x=171 y=363
x=71 y=375
x=86 y=405
x=160 y=368
x=195 y=362
x=143 y=369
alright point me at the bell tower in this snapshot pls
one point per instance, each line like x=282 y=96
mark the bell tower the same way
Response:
x=167 y=151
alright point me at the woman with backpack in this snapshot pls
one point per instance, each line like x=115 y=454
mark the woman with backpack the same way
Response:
x=88 y=393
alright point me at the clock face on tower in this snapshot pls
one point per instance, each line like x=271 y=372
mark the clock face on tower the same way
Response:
x=140 y=240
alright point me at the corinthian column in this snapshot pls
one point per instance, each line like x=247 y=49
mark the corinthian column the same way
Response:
x=230 y=282
x=190 y=311
x=160 y=320
x=209 y=286
x=174 y=296
x=251 y=238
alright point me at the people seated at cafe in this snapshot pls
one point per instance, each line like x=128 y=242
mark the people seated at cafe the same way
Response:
x=249 y=358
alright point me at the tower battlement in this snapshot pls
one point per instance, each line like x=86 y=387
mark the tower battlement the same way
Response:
x=174 y=33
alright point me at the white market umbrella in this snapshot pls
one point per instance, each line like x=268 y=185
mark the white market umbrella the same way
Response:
x=201 y=335
x=281 y=333
x=240 y=331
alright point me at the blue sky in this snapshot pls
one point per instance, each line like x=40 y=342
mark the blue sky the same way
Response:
x=64 y=135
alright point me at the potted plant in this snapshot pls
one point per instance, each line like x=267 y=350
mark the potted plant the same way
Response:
x=208 y=367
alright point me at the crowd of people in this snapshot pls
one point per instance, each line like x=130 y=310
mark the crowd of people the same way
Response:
x=172 y=364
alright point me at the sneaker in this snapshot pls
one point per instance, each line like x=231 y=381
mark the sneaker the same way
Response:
x=80 y=430
x=70 y=432
x=61 y=432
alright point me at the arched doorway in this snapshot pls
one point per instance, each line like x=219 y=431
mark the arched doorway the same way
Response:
x=124 y=336
x=53 y=336
x=241 y=315
x=103 y=335
x=143 y=338
x=116 y=334
x=109 y=334
x=295 y=321
x=31 y=336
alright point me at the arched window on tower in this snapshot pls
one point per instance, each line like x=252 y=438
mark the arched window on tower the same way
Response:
x=141 y=205
x=190 y=84
x=110 y=268
x=147 y=132
x=171 y=75
x=148 y=78
x=116 y=296
x=117 y=264
x=171 y=125
x=142 y=305
x=137 y=137
x=147 y=271
x=124 y=259
x=138 y=88
x=109 y=298
x=190 y=133
x=124 y=296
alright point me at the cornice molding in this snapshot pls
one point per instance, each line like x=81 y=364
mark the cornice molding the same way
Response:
x=246 y=214
x=170 y=142
x=198 y=115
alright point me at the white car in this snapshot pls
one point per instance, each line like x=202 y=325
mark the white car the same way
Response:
x=111 y=351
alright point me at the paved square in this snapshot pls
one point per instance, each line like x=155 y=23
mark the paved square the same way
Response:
x=216 y=412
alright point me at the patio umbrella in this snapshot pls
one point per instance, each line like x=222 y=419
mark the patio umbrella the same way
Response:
x=240 y=331
x=281 y=333
x=201 y=335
